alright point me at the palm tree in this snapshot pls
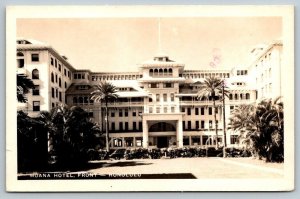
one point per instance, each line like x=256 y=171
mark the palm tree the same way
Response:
x=106 y=92
x=212 y=88
x=261 y=128
x=23 y=86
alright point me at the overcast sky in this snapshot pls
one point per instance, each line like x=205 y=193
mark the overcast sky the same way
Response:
x=119 y=44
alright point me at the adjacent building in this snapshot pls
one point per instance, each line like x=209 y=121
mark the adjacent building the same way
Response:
x=158 y=104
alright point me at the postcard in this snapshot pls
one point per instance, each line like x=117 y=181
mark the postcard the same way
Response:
x=150 y=98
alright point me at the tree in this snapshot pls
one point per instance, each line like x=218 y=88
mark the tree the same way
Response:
x=105 y=92
x=72 y=134
x=261 y=128
x=212 y=88
x=23 y=86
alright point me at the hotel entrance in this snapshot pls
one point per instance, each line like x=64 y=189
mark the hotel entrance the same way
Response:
x=162 y=142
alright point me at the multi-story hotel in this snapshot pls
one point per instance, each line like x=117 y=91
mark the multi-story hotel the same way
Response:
x=157 y=105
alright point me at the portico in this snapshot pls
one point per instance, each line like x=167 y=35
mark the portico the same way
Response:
x=162 y=126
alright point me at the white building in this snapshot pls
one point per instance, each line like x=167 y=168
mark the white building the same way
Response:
x=157 y=105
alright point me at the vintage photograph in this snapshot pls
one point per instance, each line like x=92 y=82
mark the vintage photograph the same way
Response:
x=150 y=98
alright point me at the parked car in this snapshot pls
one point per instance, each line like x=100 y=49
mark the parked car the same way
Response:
x=117 y=154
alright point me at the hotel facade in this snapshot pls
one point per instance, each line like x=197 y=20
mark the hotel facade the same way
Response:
x=158 y=104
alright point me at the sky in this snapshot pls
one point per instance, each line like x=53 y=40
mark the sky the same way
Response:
x=120 y=44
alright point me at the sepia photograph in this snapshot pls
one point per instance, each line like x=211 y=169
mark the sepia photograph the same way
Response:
x=150 y=98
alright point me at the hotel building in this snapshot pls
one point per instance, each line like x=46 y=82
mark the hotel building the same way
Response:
x=157 y=105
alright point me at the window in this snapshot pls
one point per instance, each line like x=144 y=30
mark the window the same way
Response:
x=65 y=84
x=65 y=72
x=189 y=111
x=121 y=126
x=210 y=111
x=210 y=124
x=196 y=111
x=51 y=61
x=59 y=82
x=157 y=97
x=157 y=109
x=126 y=112
x=36 y=106
x=36 y=90
x=230 y=96
x=150 y=110
x=120 y=113
x=234 y=139
x=183 y=124
x=134 y=113
x=153 y=85
x=113 y=126
x=182 y=110
x=189 y=125
x=55 y=78
x=197 y=124
x=168 y=85
x=60 y=97
x=216 y=110
x=34 y=57
x=59 y=67
x=140 y=126
x=165 y=97
x=126 y=126
x=247 y=96
x=172 y=97
x=55 y=63
x=202 y=124
x=150 y=99
x=231 y=107
x=52 y=77
x=35 y=74
x=202 y=111
x=20 y=59
x=172 y=109
x=134 y=126
x=52 y=89
x=165 y=109
x=56 y=92
x=112 y=114
x=74 y=100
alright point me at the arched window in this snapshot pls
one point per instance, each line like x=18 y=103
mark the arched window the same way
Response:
x=247 y=96
x=230 y=96
x=170 y=71
x=241 y=96
x=155 y=72
x=74 y=100
x=80 y=100
x=20 y=60
x=65 y=84
x=59 y=82
x=85 y=100
x=236 y=96
x=35 y=74
x=160 y=71
x=52 y=77
x=166 y=72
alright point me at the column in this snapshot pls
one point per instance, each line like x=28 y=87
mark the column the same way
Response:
x=134 y=142
x=179 y=133
x=123 y=142
x=145 y=134
x=190 y=140
x=201 y=141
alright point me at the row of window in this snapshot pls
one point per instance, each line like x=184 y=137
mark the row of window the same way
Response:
x=124 y=113
x=187 y=125
x=54 y=62
x=204 y=75
x=116 y=77
x=124 y=126
x=199 y=110
x=164 y=109
x=161 y=72
x=241 y=96
x=242 y=72
x=164 y=85
x=55 y=93
x=164 y=97
x=57 y=80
